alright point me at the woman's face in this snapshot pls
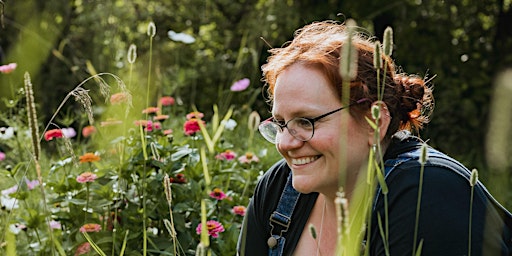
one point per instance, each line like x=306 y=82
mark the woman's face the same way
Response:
x=302 y=91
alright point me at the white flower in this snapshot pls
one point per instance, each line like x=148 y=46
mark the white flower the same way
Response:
x=9 y=203
x=6 y=133
x=181 y=37
x=68 y=132
x=230 y=124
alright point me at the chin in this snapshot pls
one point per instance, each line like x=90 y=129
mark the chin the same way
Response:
x=301 y=186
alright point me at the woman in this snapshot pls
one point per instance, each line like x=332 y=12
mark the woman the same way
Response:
x=307 y=125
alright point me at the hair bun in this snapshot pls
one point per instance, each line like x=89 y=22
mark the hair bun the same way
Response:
x=415 y=100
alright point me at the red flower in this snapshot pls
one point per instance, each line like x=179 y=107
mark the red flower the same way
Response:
x=180 y=179
x=214 y=228
x=54 y=133
x=167 y=101
x=191 y=126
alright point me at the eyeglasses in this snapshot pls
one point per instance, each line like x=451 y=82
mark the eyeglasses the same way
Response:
x=301 y=128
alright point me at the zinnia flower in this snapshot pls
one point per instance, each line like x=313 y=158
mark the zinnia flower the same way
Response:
x=89 y=157
x=6 y=133
x=6 y=69
x=239 y=210
x=191 y=126
x=150 y=110
x=120 y=97
x=88 y=131
x=83 y=249
x=167 y=101
x=86 y=177
x=214 y=228
x=160 y=117
x=218 y=194
x=54 y=133
x=195 y=115
x=227 y=155
x=240 y=85
x=248 y=158
x=90 y=227
x=167 y=132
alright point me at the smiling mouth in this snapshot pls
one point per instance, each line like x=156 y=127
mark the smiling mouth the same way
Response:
x=304 y=160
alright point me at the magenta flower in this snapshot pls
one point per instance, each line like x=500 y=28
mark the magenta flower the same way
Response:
x=218 y=194
x=227 y=155
x=2 y=156
x=167 y=101
x=6 y=69
x=86 y=177
x=239 y=210
x=191 y=126
x=240 y=85
x=214 y=228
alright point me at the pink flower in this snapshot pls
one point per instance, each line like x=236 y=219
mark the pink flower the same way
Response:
x=240 y=85
x=9 y=191
x=239 y=210
x=90 y=227
x=86 y=177
x=31 y=184
x=6 y=69
x=195 y=115
x=54 y=133
x=168 y=132
x=55 y=224
x=68 y=132
x=191 y=126
x=218 y=194
x=120 y=97
x=167 y=101
x=160 y=117
x=88 y=131
x=227 y=155
x=2 y=156
x=142 y=122
x=150 y=110
x=214 y=228
x=83 y=249
x=248 y=158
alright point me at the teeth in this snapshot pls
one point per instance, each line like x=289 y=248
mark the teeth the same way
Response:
x=304 y=160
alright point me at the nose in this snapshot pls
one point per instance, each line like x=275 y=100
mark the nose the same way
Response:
x=286 y=142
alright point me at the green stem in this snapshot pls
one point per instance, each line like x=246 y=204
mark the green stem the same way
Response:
x=470 y=220
x=418 y=204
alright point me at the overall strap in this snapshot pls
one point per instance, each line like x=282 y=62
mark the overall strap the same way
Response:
x=281 y=218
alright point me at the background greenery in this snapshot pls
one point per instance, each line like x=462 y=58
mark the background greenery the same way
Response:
x=464 y=43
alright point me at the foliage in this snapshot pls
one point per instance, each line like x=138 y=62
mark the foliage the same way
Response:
x=106 y=187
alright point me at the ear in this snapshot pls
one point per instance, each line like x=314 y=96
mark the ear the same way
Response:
x=380 y=116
